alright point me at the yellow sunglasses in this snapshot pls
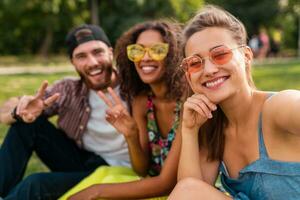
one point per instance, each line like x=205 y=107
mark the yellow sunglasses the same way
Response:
x=136 y=52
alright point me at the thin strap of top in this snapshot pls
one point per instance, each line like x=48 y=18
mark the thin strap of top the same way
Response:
x=151 y=116
x=262 y=147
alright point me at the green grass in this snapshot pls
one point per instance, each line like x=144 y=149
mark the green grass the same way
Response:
x=18 y=85
x=272 y=77
x=277 y=76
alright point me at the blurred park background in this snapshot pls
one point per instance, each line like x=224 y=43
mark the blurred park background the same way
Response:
x=34 y=27
x=32 y=34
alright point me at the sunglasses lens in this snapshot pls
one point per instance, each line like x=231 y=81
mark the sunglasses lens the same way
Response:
x=193 y=64
x=221 y=56
x=135 y=52
x=159 y=51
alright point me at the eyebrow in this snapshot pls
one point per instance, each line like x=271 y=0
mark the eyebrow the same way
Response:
x=79 y=54
x=197 y=54
x=98 y=49
x=150 y=45
x=216 y=47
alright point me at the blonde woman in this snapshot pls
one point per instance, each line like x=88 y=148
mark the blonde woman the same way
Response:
x=251 y=137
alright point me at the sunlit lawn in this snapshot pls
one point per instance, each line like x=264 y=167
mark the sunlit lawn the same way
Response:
x=277 y=76
x=268 y=77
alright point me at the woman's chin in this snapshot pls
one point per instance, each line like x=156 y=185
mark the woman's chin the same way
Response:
x=216 y=98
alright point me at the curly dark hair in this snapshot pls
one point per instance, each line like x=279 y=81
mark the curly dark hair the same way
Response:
x=130 y=83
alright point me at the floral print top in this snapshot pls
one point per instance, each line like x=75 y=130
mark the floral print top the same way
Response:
x=159 y=146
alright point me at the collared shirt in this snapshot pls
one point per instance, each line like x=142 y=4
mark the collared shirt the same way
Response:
x=72 y=107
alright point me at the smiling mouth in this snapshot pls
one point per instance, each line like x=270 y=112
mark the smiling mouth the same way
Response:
x=95 y=72
x=215 y=83
x=148 y=69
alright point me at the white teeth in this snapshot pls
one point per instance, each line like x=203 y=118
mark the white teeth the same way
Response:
x=95 y=71
x=148 y=69
x=214 y=83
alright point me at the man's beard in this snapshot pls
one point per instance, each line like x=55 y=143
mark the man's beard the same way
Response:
x=103 y=84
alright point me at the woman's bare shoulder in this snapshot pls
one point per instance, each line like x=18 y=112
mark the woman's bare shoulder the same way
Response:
x=282 y=107
x=139 y=104
x=281 y=100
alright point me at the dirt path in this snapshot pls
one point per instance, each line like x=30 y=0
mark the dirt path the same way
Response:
x=34 y=70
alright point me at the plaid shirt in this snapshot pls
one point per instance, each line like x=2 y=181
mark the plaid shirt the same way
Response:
x=72 y=107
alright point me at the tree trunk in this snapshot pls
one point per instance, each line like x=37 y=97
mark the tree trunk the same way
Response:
x=94 y=12
x=46 y=44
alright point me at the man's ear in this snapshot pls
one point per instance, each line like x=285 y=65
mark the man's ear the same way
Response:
x=72 y=61
x=111 y=52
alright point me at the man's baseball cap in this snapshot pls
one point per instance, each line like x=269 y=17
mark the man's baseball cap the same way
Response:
x=85 y=33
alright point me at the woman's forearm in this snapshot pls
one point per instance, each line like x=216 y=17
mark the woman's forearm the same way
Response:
x=139 y=158
x=189 y=162
x=145 y=188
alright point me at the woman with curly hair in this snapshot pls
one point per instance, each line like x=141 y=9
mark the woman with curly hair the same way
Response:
x=146 y=56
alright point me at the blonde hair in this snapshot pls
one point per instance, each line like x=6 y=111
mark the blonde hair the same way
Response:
x=213 y=16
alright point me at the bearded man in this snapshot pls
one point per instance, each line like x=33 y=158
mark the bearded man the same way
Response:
x=82 y=139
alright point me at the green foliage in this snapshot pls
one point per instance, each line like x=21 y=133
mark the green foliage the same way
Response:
x=39 y=27
x=117 y=16
x=289 y=22
x=282 y=15
x=185 y=9
x=28 y=26
x=253 y=14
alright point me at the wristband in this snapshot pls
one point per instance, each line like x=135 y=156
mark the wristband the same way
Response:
x=15 y=116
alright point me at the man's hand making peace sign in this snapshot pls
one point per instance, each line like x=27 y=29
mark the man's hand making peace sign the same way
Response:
x=30 y=107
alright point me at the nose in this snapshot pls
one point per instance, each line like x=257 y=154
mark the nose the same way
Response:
x=92 y=60
x=210 y=68
x=146 y=56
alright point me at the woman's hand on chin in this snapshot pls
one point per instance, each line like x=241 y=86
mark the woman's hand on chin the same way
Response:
x=197 y=109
